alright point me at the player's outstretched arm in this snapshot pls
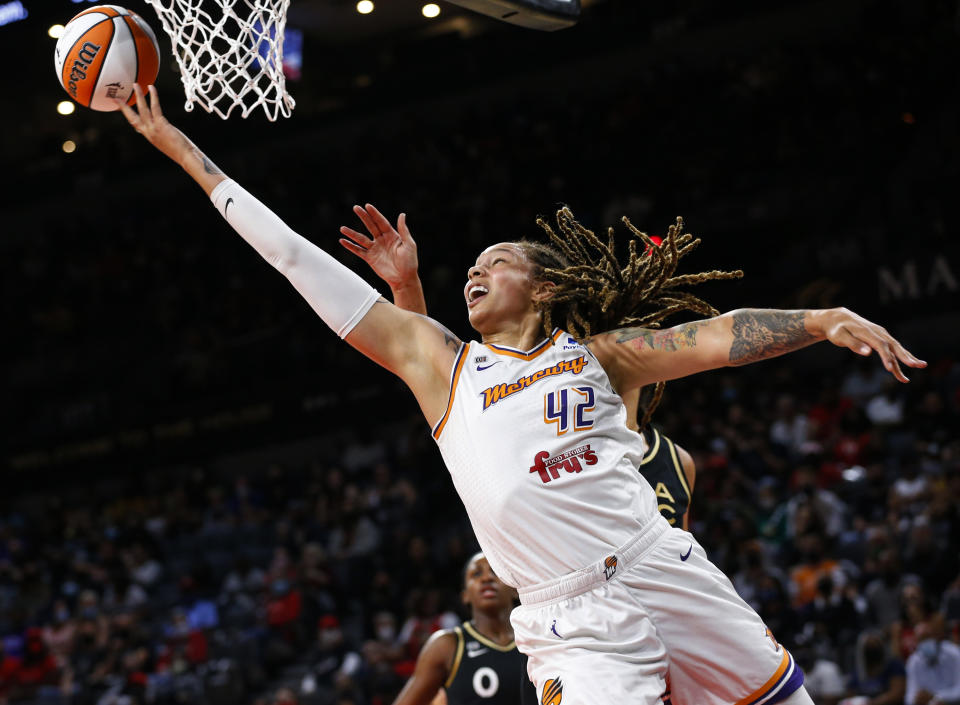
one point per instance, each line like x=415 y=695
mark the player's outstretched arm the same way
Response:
x=391 y=253
x=637 y=356
x=150 y=122
x=418 y=350
x=432 y=670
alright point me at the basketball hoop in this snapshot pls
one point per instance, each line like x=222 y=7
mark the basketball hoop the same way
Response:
x=230 y=55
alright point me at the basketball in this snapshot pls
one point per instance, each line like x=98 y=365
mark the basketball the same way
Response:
x=102 y=53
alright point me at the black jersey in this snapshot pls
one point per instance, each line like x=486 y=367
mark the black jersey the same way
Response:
x=484 y=672
x=661 y=467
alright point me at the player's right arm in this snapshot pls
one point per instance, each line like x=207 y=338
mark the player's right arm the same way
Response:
x=432 y=670
x=399 y=340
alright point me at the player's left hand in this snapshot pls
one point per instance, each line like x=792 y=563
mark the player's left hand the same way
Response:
x=390 y=252
x=846 y=329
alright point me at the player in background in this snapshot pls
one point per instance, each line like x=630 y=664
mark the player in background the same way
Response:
x=531 y=426
x=670 y=470
x=476 y=663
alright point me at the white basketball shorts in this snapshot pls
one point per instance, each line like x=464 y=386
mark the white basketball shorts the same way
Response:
x=655 y=620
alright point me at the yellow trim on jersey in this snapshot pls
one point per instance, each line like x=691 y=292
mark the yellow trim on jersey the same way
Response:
x=762 y=690
x=486 y=640
x=454 y=378
x=652 y=452
x=678 y=466
x=457 y=658
x=536 y=352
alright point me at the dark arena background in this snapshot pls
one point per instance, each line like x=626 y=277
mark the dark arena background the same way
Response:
x=208 y=498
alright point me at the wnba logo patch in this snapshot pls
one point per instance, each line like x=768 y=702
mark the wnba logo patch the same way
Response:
x=552 y=692
x=609 y=567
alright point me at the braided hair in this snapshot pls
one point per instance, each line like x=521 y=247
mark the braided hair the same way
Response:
x=596 y=293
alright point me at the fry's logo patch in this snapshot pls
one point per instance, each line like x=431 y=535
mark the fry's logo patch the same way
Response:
x=549 y=468
x=491 y=395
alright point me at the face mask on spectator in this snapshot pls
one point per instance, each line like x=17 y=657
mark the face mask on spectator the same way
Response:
x=930 y=650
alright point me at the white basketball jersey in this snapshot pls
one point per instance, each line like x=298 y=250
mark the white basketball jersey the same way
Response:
x=541 y=456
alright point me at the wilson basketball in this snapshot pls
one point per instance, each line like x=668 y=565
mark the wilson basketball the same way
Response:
x=102 y=53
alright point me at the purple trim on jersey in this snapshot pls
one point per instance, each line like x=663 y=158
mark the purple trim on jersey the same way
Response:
x=787 y=684
x=536 y=348
x=791 y=686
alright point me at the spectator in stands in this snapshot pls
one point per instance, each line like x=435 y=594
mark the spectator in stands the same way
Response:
x=822 y=677
x=886 y=408
x=59 y=634
x=877 y=679
x=815 y=565
x=333 y=663
x=910 y=492
x=883 y=592
x=933 y=670
x=38 y=667
x=9 y=674
x=915 y=610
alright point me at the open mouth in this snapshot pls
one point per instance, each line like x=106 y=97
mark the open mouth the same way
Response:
x=475 y=293
x=488 y=593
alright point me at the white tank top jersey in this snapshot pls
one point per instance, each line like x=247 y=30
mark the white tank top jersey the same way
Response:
x=541 y=456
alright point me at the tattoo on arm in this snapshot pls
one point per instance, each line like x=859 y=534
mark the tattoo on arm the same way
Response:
x=758 y=335
x=209 y=166
x=449 y=339
x=670 y=340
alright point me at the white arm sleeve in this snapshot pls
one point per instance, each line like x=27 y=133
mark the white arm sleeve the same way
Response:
x=339 y=296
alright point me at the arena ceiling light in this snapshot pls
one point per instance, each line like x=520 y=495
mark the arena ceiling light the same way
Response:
x=56 y=31
x=546 y=15
x=364 y=7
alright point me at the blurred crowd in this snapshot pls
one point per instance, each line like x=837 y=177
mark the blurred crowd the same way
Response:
x=832 y=502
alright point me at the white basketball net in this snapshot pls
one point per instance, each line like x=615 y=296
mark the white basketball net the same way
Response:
x=230 y=54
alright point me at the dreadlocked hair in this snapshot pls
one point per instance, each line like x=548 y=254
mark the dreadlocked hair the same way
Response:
x=596 y=293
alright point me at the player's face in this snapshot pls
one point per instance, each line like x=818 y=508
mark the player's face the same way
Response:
x=482 y=588
x=499 y=287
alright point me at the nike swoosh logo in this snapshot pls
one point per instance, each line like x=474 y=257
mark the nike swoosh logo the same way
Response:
x=687 y=554
x=226 y=207
x=487 y=367
x=475 y=653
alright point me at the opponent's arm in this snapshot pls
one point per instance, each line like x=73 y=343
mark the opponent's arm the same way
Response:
x=690 y=470
x=398 y=340
x=391 y=253
x=432 y=670
x=634 y=357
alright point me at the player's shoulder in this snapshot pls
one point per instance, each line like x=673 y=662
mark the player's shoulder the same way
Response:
x=442 y=644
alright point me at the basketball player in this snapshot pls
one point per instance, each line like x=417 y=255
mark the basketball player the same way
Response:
x=533 y=432
x=668 y=468
x=477 y=662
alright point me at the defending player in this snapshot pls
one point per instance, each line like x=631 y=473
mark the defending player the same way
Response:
x=670 y=470
x=533 y=432
x=478 y=662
